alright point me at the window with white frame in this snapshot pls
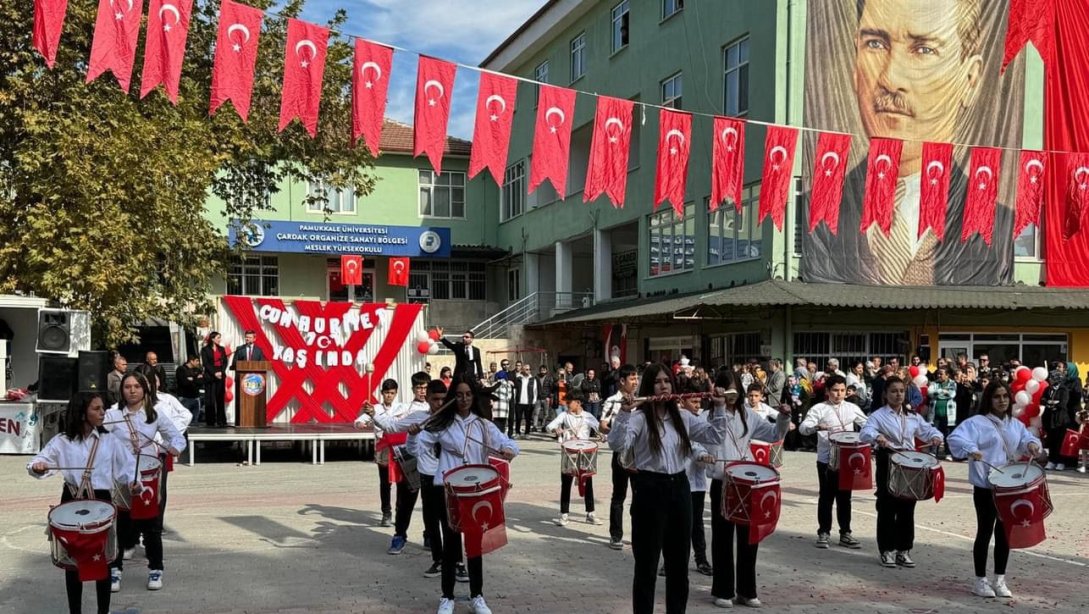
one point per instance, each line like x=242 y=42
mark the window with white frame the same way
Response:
x=620 y=18
x=464 y=280
x=1027 y=244
x=736 y=82
x=578 y=56
x=671 y=7
x=672 y=241
x=254 y=275
x=671 y=92
x=336 y=201
x=733 y=236
x=442 y=195
x=540 y=75
x=514 y=191
x=514 y=285
x=849 y=347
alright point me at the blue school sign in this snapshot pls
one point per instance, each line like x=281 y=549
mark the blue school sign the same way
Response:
x=336 y=239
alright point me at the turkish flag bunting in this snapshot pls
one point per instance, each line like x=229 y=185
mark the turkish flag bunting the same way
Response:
x=982 y=197
x=1077 y=192
x=351 y=270
x=434 y=85
x=552 y=138
x=674 y=147
x=304 y=67
x=1029 y=20
x=370 y=84
x=494 y=119
x=939 y=483
x=779 y=149
x=727 y=162
x=764 y=505
x=167 y=29
x=882 y=173
x=398 y=272
x=236 y=57
x=146 y=504
x=608 y=172
x=934 y=188
x=1022 y=515
x=830 y=168
x=855 y=474
x=48 y=24
x=117 y=28
x=1030 y=189
x=87 y=551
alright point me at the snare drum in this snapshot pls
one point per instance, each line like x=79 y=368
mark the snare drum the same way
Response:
x=83 y=537
x=579 y=457
x=750 y=493
x=768 y=454
x=147 y=504
x=407 y=463
x=1023 y=502
x=469 y=485
x=911 y=475
x=841 y=441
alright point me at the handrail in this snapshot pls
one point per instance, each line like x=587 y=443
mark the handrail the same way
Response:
x=530 y=309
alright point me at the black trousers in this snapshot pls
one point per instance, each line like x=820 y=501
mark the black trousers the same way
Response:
x=1055 y=445
x=434 y=510
x=895 y=516
x=451 y=556
x=730 y=575
x=215 y=412
x=616 y=502
x=829 y=494
x=661 y=526
x=130 y=532
x=987 y=524
x=406 y=502
x=523 y=413
x=699 y=540
x=566 y=480
x=72 y=585
x=383 y=486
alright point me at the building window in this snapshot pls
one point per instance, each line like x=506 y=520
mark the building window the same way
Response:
x=254 y=276
x=671 y=7
x=442 y=195
x=514 y=285
x=850 y=347
x=736 y=86
x=621 y=13
x=336 y=201
x=448 y=280
x=578 y=56
x=514 y=191
x=671 y=92
x=540 y=75
x=1027 y=244
x=672 y=241
x=736 y=348
x=733 y=236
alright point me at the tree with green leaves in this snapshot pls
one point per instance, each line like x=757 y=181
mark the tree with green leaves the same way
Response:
x=103 y=196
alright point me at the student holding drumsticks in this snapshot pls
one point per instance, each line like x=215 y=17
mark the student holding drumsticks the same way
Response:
x=992 y=438
x=574 y=424
x=894 y=428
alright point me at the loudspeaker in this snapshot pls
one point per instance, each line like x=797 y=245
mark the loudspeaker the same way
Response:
x=93 y=367
x=56 y=378
x=54 y=331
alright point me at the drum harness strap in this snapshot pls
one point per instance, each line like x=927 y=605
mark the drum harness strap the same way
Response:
x=1002 y=437
x=86 y=489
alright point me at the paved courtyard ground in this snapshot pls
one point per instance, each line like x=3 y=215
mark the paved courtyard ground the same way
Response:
x=288 y=536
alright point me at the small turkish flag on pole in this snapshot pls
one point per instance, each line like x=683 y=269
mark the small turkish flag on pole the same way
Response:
x=117 y=28
x=830 y=168
x=351 y=270
x=167 y=30
x=398 y=272
x=934 y=188
x=608 y=172
x=552 y=138
x=882 y=173
x=1030 y=189
x=494 y=119
x=674 y=147
x=982 y=196
x=236 y=57
x=434 y=85
x=779 y=147
x=727 y=162
x=304 y=68
x=370 y=84
x=48 y=24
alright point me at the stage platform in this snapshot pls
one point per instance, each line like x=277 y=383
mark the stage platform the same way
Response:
x=312 y=436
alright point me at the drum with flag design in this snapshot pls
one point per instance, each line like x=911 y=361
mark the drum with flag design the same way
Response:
x=916 y=476
x=850 y=456
x=83 y=537
x=1023 y=502
x=146 y=504
x=751 y=497
x=579 y=458
x=1073 y=442
x=768 y=454
x=474 y=507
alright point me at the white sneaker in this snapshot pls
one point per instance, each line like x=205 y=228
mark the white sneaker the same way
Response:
x=561 y=521
x=115 y=580
x=724 y=603
x=983 y=588
x=127 y=555
x=446 y=606
x=154 y=579
x=1081 y=469
x=1000 y=588
x=592 y=519
x=1049 y=466
x=477 y=606
x=1060 y=467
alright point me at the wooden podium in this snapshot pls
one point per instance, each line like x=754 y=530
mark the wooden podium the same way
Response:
x=251 y=390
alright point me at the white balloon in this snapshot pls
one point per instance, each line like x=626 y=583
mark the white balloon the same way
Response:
x=1024 y=398
x=920 y=380
x=1018 y=410
x=1039 y=374
x=423 y=338
x=1032 y=386
x=433 y=348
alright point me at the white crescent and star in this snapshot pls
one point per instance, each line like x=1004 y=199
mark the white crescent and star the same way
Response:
x=245 y=32
x=877 y=164
x=433 y=83
x=778 y=149
x=119 y=15
x=1031 y=164
x=935 y=164
x=729 y=142
x=169 y=8
x=306 y=44
x=1025 y=502
x=399 y=267
x=613 y=121
x=673 y=148
x=368 y=83
x=851 y=461
x=986 y=170
x=557 y=111
x=774 y=496
x=502 y=106
x=824 y=162
x=491 y=511
x=1080 y=175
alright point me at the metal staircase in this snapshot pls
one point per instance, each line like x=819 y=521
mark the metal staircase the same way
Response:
x=536 y=307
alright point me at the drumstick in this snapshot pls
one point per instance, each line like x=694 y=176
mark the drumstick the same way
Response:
x=660 y=398
x=980 y=460
x=68 y=468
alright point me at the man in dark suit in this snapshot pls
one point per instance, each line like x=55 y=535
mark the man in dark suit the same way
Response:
x=467 y=357
x=248 y=350
x=525 y=396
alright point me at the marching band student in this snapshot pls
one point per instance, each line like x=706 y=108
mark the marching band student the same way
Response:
x=627 y=382
x=735 y=579
x=574 y=424
x=394 y=409
x=892 y=428
x=76 y=450
x=661 y=437
x=415 y=412
x=834 y=416
x=991 y=438
x=461 y=433
x=698 y=464
x=136 y=426
x=754 y=401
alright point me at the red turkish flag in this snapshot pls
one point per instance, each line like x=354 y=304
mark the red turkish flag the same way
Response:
x=779 y=149
x=764 y=505
x=608 y=172
x=1029 y=20
x=434 y=86
x=938 y=477
x=979 y=205
x=552 y=138
x=304 y=68
x=117 y=28
x=674 y=147
x=483 y=522
x=146 y=504
x=934 y=188
x=882 y=173
x=398 y=272
x=494 y=119
x=351 y=270
x=1071 y=444
x=1022 y=515
x=167 y=29
x=830 y=168
x=370 y=84
x=728 y=162
x=236 y=57
x=1077 y=193
x=87 y=551
x=855 y=469
x=1030 y=189
x=48 y=24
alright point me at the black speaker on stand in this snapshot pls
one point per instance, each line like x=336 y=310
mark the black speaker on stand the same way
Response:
x=54 y=331
x=56 y=377
x=93 y=369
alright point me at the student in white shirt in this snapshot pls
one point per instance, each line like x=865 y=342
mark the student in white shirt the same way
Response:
x=574 y=424
x=991 y=438
x=109 y=466
x=661 y=436
x=627 y=382
x=833 y=416
x=406 y=495
x=462 y=434
x=392 y=408
x=894 y=427
x=698 y=464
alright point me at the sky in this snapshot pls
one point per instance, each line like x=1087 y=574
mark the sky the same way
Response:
x=464 y=31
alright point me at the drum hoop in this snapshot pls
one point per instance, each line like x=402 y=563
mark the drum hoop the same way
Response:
x=96 y=526
x=475 y=493
x=1020 y=491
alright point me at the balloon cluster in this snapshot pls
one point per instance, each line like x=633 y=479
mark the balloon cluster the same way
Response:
x=919 y=379
x=1028 y=387
x=428 y=342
